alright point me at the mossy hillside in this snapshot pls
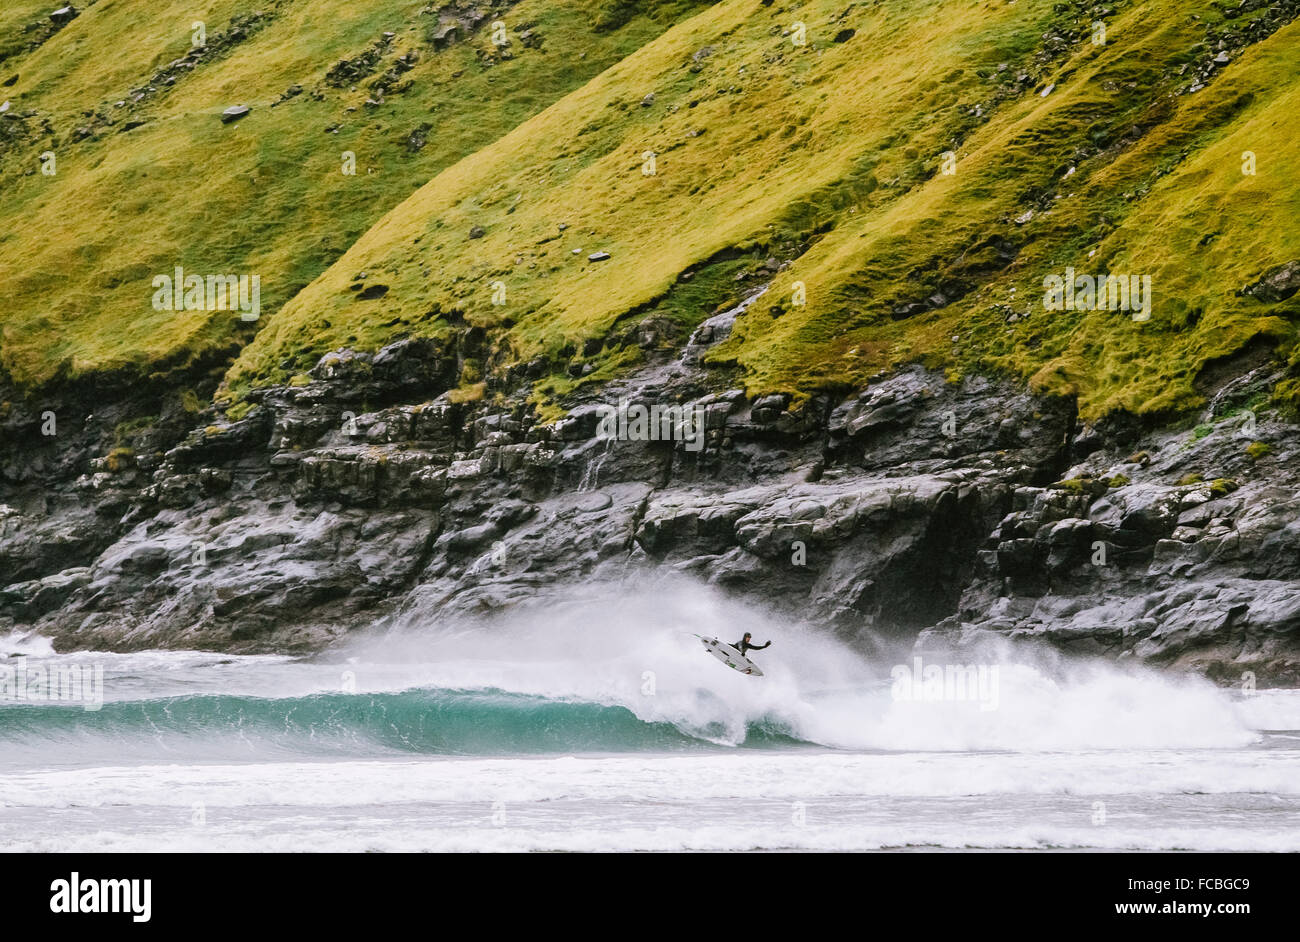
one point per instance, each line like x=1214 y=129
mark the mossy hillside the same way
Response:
x=16 y=16
x=1163 y=195
x=758 y=142
x=829 y=154
x=825 y=156
x=264 y=195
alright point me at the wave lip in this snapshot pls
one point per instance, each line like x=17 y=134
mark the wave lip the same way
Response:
x=591 y=680
x=1037 y=716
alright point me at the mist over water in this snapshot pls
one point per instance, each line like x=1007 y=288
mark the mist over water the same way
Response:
x=638 y=651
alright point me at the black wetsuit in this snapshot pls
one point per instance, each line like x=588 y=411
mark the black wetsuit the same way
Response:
x=744 y=647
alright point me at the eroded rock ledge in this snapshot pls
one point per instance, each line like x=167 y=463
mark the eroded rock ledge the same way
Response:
x=918 y=508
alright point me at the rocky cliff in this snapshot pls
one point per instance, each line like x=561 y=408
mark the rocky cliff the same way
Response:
x=968 y=320
x=920 y=507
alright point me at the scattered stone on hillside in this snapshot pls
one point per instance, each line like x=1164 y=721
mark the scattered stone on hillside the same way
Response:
x=1277 y=284
x=477 y=232
x=240 y=28
x=445 y=33
x=348 y=71
x=390 y=80
x=416 y=140
x=844 y=35
x=234 y=113
x=648 y=100
x=64 y=14
x=598 y=257
x=698 y=57
x=293 y=91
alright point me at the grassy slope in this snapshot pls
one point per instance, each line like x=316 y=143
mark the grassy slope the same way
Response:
x=781 y=126
x=829 y=153
x=15 y=15
x=1174 y=205
x=825 y=155
x=265 y=195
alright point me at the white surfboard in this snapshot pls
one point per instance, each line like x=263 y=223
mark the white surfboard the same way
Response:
x=730 y=656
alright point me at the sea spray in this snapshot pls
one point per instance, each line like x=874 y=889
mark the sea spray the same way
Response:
x=598 y=647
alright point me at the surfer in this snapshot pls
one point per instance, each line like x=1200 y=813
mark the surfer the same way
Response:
x=744 y=646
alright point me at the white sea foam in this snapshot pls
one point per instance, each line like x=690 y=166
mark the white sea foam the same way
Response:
x=615 y=650
x=1169 y=759
x=658 y=777
x=25 y=643
x=401 y=837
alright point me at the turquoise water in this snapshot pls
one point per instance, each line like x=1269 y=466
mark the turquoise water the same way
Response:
x=420 y=722
x=590 y=735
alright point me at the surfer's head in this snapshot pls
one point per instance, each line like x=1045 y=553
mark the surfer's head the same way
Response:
x=747 y=636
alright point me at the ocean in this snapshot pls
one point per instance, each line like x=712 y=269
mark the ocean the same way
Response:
x=622 y=734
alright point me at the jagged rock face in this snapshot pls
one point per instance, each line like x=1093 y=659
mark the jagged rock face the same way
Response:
x=1195 y=562
x=918 y=507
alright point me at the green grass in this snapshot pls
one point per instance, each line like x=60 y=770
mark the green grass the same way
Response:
x=265 y=195
x=764 y=145
x=1105 y=358
x=826 y=156
x=15 y=16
